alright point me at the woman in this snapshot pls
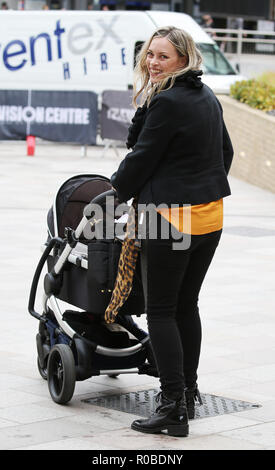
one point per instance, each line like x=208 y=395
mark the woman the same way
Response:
x=181 y=155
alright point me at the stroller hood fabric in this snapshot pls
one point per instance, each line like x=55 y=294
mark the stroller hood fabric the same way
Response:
x=71 y=199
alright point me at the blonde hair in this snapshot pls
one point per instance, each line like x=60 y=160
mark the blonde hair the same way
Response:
x=184 y=45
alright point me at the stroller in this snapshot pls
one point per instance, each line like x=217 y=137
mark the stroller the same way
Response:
x=74 y=344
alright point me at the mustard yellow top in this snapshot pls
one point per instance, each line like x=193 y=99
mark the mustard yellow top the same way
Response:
x=196 y=220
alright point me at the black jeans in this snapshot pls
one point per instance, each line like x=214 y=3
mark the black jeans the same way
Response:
x=172 y=281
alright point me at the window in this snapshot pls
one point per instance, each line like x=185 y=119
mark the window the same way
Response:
x=138 y=46
x=214 y=62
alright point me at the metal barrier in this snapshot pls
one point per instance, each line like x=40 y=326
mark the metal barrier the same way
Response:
x=243 y=41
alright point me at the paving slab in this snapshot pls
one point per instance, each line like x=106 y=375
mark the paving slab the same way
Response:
x=260 y=434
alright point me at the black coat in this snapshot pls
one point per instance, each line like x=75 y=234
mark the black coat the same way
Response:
x=183 y=152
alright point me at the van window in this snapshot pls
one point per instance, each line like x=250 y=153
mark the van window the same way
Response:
x=214 y=62
x=138 y=46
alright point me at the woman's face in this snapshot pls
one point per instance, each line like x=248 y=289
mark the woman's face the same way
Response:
x=162 y=57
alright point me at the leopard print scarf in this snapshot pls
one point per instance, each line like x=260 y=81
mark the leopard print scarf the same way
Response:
x=126 y=266
x=131 y=246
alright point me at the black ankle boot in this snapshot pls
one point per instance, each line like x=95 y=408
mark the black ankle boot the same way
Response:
x=192 y=396
x=170 y=415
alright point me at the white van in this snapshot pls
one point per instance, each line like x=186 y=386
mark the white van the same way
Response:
x=92 y=50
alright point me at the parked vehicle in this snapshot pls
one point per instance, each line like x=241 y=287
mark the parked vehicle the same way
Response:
x=93 y=50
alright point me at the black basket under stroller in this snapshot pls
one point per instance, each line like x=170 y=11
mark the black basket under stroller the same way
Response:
x=73 y=341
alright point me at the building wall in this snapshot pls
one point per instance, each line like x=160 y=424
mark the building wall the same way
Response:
x=26 y=4
x=175 y=5
x=251 y=8
x=217 y=8
x=12 y=4
x=252 y=133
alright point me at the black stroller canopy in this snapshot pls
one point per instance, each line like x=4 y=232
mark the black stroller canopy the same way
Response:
x=71 y=198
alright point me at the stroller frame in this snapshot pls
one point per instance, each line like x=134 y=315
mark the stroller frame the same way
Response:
x=70 y=358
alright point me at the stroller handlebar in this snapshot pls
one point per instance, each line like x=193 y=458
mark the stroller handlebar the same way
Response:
x=123 y=351
x=101 y=198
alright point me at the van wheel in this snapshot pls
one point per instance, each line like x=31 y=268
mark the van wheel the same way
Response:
x=61 y=373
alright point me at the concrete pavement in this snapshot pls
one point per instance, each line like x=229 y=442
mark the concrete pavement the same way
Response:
x=237 y=310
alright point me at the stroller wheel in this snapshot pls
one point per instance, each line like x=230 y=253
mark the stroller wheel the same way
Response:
x=42 y=370
x=61 y=373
